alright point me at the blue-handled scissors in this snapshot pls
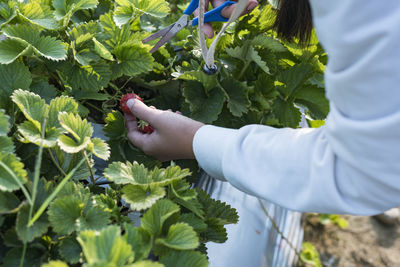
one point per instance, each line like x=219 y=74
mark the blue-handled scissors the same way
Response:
x=167 y=33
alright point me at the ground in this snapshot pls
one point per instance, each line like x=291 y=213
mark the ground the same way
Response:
x=364 y=243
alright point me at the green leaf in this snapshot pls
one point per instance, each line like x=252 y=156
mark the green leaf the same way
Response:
x=133 y=59
x=215 y=231
x=7 y=12
x=180 y=236
x=4 y=124
x=293 y=78
x=195 y=222
x=80 y=130
x=208 y=81
x=12 y=77
x=33 y=257
x=91 y=78
x=115 y=125
x=253 y=55
x=45 y=90
x=313 y=98
x=93 y=218
x=141 y=198
x=60 y=104
x=247 y=54
x=100 y=148
x=121 y=173
x=204 y=107
x=68 y=7
x=238 y=101
x=153 y=220
x=8 y=202
x=140 y=241
x=36 y=230
x=46 y=46
x=10 y=50
x=74 y=213
x=155 y=8
x=147 y=263
x=268 y=42
x=39 y=14
x=217 y=209
x=124 y=12
x=184 y=259
x=287 y=114
x=106 y=246
x=31 y=134
x=63 y=214
x=6 y=145
x=163 y=177
x=70 y=250
x=11 y=169
x=101 y=50
x=55 y=264
x=182 y=189
x=33 y=106
x=193 y=205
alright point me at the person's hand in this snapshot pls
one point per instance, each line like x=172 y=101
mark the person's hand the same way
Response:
x=173 y=133
x=226 y=12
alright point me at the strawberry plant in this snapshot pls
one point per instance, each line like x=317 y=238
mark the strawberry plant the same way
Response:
x=64 y=66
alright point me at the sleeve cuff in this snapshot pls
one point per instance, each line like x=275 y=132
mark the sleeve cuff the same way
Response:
x=209 y=144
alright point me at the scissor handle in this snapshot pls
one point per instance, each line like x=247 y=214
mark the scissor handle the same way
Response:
x=191 y=7
x=215 y=14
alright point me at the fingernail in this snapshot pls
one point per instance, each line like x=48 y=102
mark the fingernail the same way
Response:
x=130 y=103
x=251 y=6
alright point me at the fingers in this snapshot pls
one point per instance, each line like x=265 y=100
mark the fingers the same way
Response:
x=131 y=122
x=142 y=111
x=227 y=11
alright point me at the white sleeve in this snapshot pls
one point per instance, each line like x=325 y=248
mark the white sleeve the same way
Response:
x=350 y=165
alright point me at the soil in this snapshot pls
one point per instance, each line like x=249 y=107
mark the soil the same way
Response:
x=365 y=242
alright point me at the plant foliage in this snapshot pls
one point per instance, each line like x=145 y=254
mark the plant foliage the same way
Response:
x=64 y=65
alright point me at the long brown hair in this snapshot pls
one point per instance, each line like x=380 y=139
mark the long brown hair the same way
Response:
x=294 y=19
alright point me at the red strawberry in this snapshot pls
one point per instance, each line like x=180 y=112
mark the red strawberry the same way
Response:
x=144 y=127
x=125 y=99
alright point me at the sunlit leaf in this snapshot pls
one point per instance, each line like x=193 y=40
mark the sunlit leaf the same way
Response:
x=141 y=198
x=106 y=246
x=154 y=218
x=11 y=170
x=180 y=236
x=184 y=259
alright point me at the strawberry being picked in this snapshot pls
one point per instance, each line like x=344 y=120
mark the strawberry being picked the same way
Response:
x=144 y=127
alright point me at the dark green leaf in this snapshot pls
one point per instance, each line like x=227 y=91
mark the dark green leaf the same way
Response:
x=154 y=218
x=184 y=259
x=38 y=228
x=204 y=107
x=287 y=114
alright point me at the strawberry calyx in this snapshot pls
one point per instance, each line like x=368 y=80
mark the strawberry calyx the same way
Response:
x=145 y=127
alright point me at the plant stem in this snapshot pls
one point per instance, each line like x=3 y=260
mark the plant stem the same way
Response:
x=55 y=192
x=26 y=193
x=21 y=263
x=90 y=168
x=247 y=64
x=56 y=163
x=36 y=175
x=93 y=106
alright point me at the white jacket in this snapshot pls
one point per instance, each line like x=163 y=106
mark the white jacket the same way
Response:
x=350 y=165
